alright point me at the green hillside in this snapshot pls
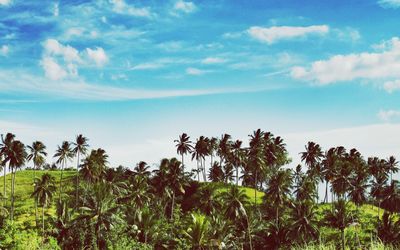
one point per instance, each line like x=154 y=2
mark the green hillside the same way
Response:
x=24 y=204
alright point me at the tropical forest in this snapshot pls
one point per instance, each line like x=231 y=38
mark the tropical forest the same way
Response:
x=240 y=196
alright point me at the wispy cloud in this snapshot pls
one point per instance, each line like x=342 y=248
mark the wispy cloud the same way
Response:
x=186 y=7
x=394 y=4
x=273 y=34
x=4 y=50
x=119 y=6
x=5 y=2
x=388 y=115
x=213 y=60
x=365 y=65
x=195 y=71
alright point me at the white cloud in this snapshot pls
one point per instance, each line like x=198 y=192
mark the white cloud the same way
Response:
x=273 y=34
x=119 y=6
x=388 y=115
x=186 y=7
x=147 y=66
x=4 y=50
x=56 y=10
x=394 y=4
x=195 y=71
x=391 y=86
x=52 y=70
x=97 y=55
x=232 y=35
x=365 y=65
x=54 y=48
x=5 y=2
x=213 y=60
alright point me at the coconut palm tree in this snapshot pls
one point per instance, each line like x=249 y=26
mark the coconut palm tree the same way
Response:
x=278 y=190
x=80 y=148
x=16 y=157
x=37 y=154
x=100 y=211
x=256 y=159
x=312 y=157
x=392 y=166
x=339 y=218
x=176 y=181
x=237 y=157
x=235 y=201
x=183 y=146
x=303 y=221
x=64 y=154
x=207 y=199
x=4 y=150
x=43 y=193
x=199 y=153
x=142 y=170
x=215 y=173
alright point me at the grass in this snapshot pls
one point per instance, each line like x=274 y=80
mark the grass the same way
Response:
x=223 y=187
x=24 y=204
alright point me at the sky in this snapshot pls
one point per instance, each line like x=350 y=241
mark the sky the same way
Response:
x=133 y=75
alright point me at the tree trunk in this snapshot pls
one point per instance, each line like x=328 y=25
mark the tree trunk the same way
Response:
x=5 y=185
x=326 y=192
x=198 y=171
x=61 y=178
x=183 y=164
x=248 y=233
x=237 y=176
x=36 y=212
x=12 y=193
x=43 y=222
x=255 y=190
x=77 y=181
x=172 y=206
x=204 y=170
x=342 y=236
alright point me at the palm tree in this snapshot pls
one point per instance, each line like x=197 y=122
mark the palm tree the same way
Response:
x=142 y=170
x=63 y=154
x=43 y=193
x=312 y=158
x=176 y=181
x=278 y=189
x=256 y=158
x=80 y=148
x=198 y=232
x=235 y=201
x=199 y=153
x=37 y=154
x=183 y=146
x=4 y=151
x=339 y=218
x=208 y=202
x=101 y=211
x=303 y=221
x=15 y=156
x=237 y=157
x=392 y=166
x=215 y=173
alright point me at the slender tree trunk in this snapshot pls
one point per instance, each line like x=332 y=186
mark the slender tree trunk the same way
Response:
x=326 y=192
x=237 y=176
x=5 y=186
x=77 y=181
x=172 y=206
x=36 y=212
x=198 y=171
x=248 y=233
x=204 y=170
x=183 y=164
x=342 y=236
x=255 y=190
x=61 y=178
x=12 y=192
x=43 y=222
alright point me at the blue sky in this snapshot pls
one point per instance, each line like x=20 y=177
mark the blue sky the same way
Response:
x=133 y=75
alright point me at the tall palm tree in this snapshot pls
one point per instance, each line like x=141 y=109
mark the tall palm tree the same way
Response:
x=142 y=170
x=176 y=181
x=392 y=166
x=183 y=146
x=256 y=159
x=303 y=221
x=215 y=173
x=278 y=189
x=199 y=153
x=43 y=193
x=339 y=218
x=80 y=148
x=4 y=150
x=101 y=211
x=312 y=158
x=235 y=201
x=64 y=154
x=37 y=154
x=16 y=157
x=237 y=157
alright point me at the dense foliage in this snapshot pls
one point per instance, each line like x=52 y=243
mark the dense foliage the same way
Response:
x=237 y=197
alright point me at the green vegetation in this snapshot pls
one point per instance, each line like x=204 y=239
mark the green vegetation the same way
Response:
x=243 y=198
